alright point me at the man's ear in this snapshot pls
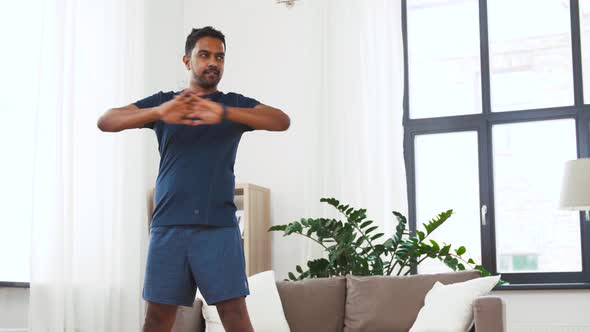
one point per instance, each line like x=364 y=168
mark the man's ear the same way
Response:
x=187 y=62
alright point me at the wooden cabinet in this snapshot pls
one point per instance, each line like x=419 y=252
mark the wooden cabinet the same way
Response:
x=253 y=203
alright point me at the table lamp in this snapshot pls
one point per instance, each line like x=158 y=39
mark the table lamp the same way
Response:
x=575 y=189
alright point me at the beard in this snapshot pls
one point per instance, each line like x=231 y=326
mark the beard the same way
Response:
x=209 y=78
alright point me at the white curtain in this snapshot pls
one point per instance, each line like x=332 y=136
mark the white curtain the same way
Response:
x=361 y=117
x=89 y=188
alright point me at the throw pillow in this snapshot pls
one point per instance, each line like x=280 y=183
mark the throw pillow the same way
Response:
x=448 y=308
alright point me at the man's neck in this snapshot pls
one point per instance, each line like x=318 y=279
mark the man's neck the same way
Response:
x=199 y=90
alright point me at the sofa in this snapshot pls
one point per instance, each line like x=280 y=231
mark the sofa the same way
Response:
x=355 y=304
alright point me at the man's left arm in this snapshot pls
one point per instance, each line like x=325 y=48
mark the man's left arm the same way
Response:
x=260 y=117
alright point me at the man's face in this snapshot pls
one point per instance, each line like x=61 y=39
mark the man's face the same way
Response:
x=206 y=62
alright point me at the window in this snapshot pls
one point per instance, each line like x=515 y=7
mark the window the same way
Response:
x=585 y=39
x=526 y=182
x=445 y=63
x=453 y=182
x=530 y=54
x=496 y=101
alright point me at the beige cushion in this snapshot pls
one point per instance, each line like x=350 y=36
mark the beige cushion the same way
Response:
x=314 y=304
x=391 y=304
x=449 y=308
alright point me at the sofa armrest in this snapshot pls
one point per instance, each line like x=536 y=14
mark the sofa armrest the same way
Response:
x=488 y=313
x=189 y=319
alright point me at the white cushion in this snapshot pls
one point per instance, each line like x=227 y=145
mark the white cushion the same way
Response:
x=264 y=306
x=448 y=308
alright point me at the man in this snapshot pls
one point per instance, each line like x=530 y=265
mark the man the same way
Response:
x=195 y=240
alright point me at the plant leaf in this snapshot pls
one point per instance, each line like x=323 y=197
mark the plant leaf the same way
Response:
x=460 y=251
x=376 y=236
x=294 y=227
x=433 y=224
x=359 y=241
x=370 y=229
x=366 y=223
x=421 y=235
x=277 y=228
x=435 y=245
x=388 y=243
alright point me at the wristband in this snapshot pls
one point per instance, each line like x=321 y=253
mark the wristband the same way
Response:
x=224 y=114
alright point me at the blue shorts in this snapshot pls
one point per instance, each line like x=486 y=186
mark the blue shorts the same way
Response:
x=182 y=258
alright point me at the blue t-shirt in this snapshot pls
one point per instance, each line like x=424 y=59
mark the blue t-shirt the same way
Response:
x=196 y=181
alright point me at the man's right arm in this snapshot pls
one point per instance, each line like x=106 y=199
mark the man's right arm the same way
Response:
x=174 y=111
x=127 y=117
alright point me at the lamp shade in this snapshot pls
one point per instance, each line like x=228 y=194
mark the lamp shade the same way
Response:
x=575 y=190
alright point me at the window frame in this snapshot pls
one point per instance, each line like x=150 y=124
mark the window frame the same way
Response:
x=14 y=284
x=482 y=123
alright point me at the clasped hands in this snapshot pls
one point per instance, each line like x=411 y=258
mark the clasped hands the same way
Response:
x=190 y=109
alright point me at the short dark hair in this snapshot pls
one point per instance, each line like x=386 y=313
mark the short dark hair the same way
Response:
x=196 y=34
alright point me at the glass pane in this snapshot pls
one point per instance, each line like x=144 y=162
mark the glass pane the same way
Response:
x=443 y=58
x=585 y=39
x=447 y=177
x=530 y=54
x=532 y=234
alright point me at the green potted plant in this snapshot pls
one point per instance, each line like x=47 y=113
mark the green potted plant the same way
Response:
x=352 y=246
